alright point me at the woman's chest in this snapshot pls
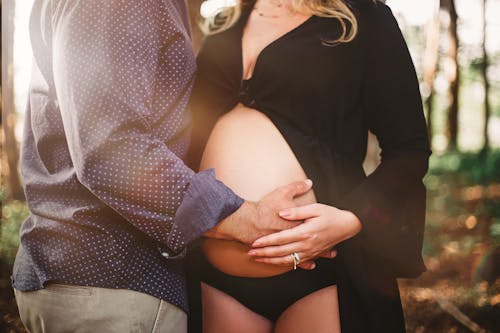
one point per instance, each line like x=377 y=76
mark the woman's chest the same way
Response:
x=299 y=77
x=262 y=32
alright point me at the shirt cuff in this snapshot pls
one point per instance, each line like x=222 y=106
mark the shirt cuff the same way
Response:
x=206 y=202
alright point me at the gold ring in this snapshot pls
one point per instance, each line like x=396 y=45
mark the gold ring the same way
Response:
x=296 y=259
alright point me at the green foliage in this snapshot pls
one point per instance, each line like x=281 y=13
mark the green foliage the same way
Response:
x=471 y=168
x=13 y=215
x=463 y=207
x=495 y=233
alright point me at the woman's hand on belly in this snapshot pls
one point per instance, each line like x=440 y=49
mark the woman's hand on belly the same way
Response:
x=324 y=227
x=247 y=225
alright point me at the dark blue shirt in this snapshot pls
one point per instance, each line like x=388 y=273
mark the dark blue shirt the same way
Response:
x=112 y=203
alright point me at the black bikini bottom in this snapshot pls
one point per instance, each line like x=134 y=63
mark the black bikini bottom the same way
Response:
x=269 y=296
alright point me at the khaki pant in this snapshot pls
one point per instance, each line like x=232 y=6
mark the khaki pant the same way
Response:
x=63 y=308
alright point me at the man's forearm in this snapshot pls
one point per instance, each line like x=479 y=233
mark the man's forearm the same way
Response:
x=123 y=141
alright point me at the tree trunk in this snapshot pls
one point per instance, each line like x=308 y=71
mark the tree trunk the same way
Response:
x=488 y=203
x=486 y=84
x=431 y=65
x=1 y=123
x=454 y=78
x=11 y=156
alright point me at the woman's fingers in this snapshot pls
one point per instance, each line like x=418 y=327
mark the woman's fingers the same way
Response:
x=285 y=261
x=281 y=261
x=302 y=212
x=292 y=235
x=288 y=261
x=307 y=265
x=329 y=254
x=275 y=251
x=287 y=249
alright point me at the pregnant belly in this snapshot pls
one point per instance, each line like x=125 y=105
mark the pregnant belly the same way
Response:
x=249 y=155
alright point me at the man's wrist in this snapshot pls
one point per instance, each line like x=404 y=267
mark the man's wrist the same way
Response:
x=235 y=226
x=222 y=229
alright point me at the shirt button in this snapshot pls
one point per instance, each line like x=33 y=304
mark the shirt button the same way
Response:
x=165 y=255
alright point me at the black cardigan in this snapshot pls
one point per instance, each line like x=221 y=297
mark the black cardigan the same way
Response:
x=324 y=99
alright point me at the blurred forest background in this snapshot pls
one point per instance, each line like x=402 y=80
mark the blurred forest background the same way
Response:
x=455 y=45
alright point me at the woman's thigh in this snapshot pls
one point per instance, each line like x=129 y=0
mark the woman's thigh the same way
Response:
x=224 y=314
x=317 y=312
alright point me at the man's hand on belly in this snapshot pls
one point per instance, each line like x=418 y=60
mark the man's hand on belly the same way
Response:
x=323 y=227
x=256 y=219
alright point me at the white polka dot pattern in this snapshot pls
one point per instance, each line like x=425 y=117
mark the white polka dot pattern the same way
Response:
x=106 y=126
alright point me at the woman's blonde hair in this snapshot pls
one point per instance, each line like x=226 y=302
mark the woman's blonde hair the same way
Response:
x=224 y=17
x=337 y=9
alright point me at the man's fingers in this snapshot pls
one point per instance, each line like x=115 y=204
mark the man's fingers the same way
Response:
x=296 y=189
x=302 y=212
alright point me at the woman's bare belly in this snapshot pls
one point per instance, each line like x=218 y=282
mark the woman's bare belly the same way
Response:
x=249 y=155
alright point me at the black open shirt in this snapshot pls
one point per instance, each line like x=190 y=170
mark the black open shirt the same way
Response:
x=324 y=99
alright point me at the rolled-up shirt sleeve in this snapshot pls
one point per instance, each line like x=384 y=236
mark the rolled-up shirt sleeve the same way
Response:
x=390 y=202
x=123 y=79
